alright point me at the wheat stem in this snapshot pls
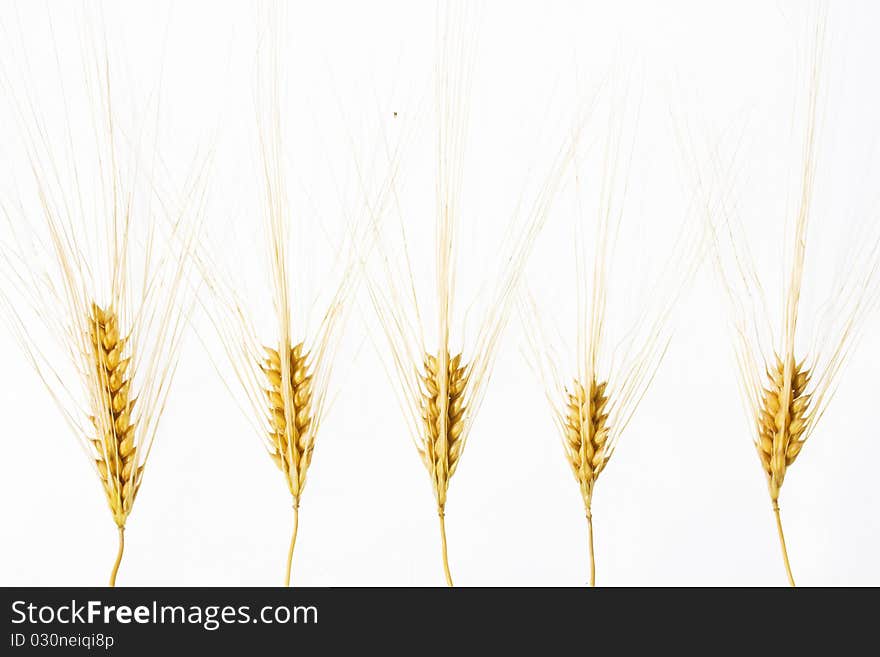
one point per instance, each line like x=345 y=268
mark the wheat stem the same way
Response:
x=292 y=544
x=592 y=553
x=118 y=556
x=782 y=543
x=443 y=545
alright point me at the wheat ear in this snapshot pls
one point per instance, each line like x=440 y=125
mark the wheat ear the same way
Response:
x=282 y=371
x=593 y=408
x=784 y=417
x=781 y=426
x=440 y=387
x=114 y=441
x=787 y=388
x=586 y=437
x=289 y=396
x=105 y=277
x=443 y=410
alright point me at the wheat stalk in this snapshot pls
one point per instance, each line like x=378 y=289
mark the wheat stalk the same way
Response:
x=283 y=370
x=786 y=387
x=440 y=387
x=593 y=408
x=97 y=298
x=282 y=388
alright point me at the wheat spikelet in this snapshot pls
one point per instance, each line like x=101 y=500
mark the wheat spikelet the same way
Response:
x=586 y=434
x=783 y=421
x=290 y=415
x=289 y=393
x=115 y=449
x=443 y=415
x=587 y=444
x=443 y=410
x=114 y=444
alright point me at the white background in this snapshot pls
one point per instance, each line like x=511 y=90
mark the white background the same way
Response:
x=683 y=501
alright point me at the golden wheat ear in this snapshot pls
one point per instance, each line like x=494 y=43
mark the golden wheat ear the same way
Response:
x=97 y=273
x=280 y=382
x=281 y=349
x=114 y=442
x=595 y=388
x=439 y=383
x=787 y=386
